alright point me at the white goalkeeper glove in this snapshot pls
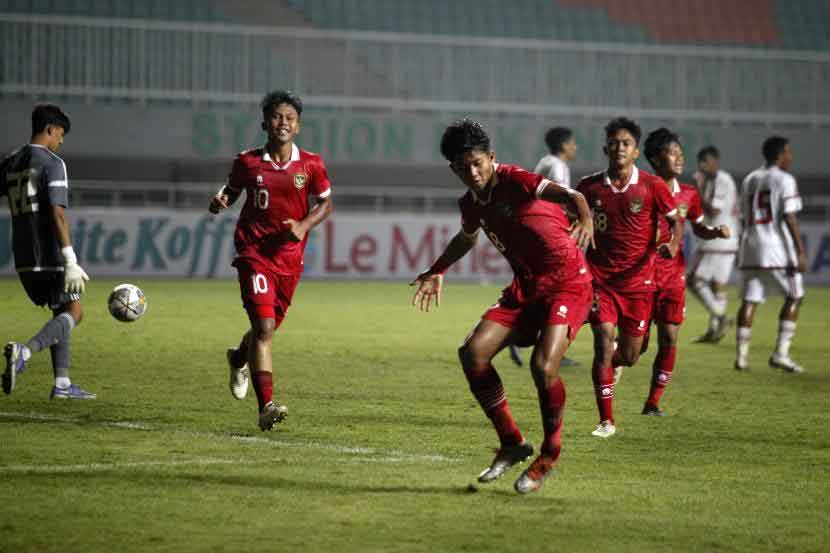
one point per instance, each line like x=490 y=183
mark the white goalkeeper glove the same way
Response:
x=73 y=274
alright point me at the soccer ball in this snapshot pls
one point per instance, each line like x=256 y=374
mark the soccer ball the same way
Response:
x=127 y=303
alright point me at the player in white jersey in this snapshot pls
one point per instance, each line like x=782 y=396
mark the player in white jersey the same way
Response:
x=562 y=146
x=771 y=253
x=715 y=258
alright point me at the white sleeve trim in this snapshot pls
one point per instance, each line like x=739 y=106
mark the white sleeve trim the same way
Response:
x=541 y=187
x=324 y=195
x=699 y=219
x=672 y=213
x=58 y=184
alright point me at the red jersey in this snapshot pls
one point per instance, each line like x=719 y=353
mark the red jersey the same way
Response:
x=671 y=273
x=531 y=234
x=275 y=193
x=625 y=228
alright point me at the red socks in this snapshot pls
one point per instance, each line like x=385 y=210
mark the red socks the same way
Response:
x=552 y=405
x=489 y=392
x=661 y=374
x=604 y=391
x=263 y=386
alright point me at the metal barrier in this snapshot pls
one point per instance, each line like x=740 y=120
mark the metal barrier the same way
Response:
x=155 y=61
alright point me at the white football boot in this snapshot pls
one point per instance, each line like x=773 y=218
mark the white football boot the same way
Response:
x=605 y=429
x=785 y=363
x=506 y=457
x=238 y=382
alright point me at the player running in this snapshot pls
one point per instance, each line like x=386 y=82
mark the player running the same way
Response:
x=771 y=251
x=546 y=303
x=34 y=179
x=665 y=154
x=714 y=259
x=628 y=205
x=271 y=234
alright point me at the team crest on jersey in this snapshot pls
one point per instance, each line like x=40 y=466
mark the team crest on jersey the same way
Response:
x=683 y=209
x=636 y=205
x=299 y=180
x=259 y=180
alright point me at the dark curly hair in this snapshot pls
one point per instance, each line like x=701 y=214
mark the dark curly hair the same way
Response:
x=277 y=97
x=657 y=141
x=462 y=136
x=556 y=137
x=44 y=115
x=626 y=124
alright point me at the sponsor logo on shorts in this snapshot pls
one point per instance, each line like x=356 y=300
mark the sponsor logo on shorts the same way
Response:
x=299 y=181
x=563 y=311
x=642 y=324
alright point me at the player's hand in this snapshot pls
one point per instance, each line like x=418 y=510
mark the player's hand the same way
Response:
x=295 y=230
x=429 y=290
x=725 y=231
x=73 y=279
x=667 y=250
x=583 y=232
x=218 y=203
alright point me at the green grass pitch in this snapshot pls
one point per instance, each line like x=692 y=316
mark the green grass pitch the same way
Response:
x=383 y=437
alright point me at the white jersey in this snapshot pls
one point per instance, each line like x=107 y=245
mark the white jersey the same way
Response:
x=767 y=195
x=555 y=169
x=720 y=193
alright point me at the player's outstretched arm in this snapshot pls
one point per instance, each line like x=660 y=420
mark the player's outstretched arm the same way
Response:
x=74 y=276
x=792 y=225
x=430 y=281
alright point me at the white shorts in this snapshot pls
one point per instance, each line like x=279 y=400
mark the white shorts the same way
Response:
x=779 y=280
x=713 y=266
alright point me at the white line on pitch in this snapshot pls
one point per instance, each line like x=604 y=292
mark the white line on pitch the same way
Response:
x=103 y=467
x=370 y=454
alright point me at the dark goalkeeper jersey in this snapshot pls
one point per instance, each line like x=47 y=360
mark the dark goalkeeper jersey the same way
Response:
x=34 y=179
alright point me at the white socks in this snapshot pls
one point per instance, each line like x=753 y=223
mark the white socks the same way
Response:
x=786 y=331
x=62 y=382
x=743 y=337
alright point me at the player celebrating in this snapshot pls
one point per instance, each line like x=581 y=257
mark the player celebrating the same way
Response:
x=627 y=205
x=34 y=178
x=545 y=304
x=714 y=259
x=270 y=239
x=665 y=154
x=771 y=251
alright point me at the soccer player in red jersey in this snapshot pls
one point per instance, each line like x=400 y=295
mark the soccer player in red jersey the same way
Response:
x=665 y=154
x=627 y=204
x=546 y=303
x=279 y=179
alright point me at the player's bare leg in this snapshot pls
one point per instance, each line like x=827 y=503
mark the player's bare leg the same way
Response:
x=787 y=320
x=259 y=359
x=743 y=335
x=602 y=373
x=238 y=367
x=662 y=368
x=476 y=354
x=544 y=366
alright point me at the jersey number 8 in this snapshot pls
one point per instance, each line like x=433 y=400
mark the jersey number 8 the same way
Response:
x=600 y=221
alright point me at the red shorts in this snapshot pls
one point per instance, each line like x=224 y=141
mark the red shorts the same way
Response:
x=630 y=311
x=568 y=307
x=265 y=294
x=670 y=305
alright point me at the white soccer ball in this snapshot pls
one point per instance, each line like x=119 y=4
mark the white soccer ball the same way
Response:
x=127 y=303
